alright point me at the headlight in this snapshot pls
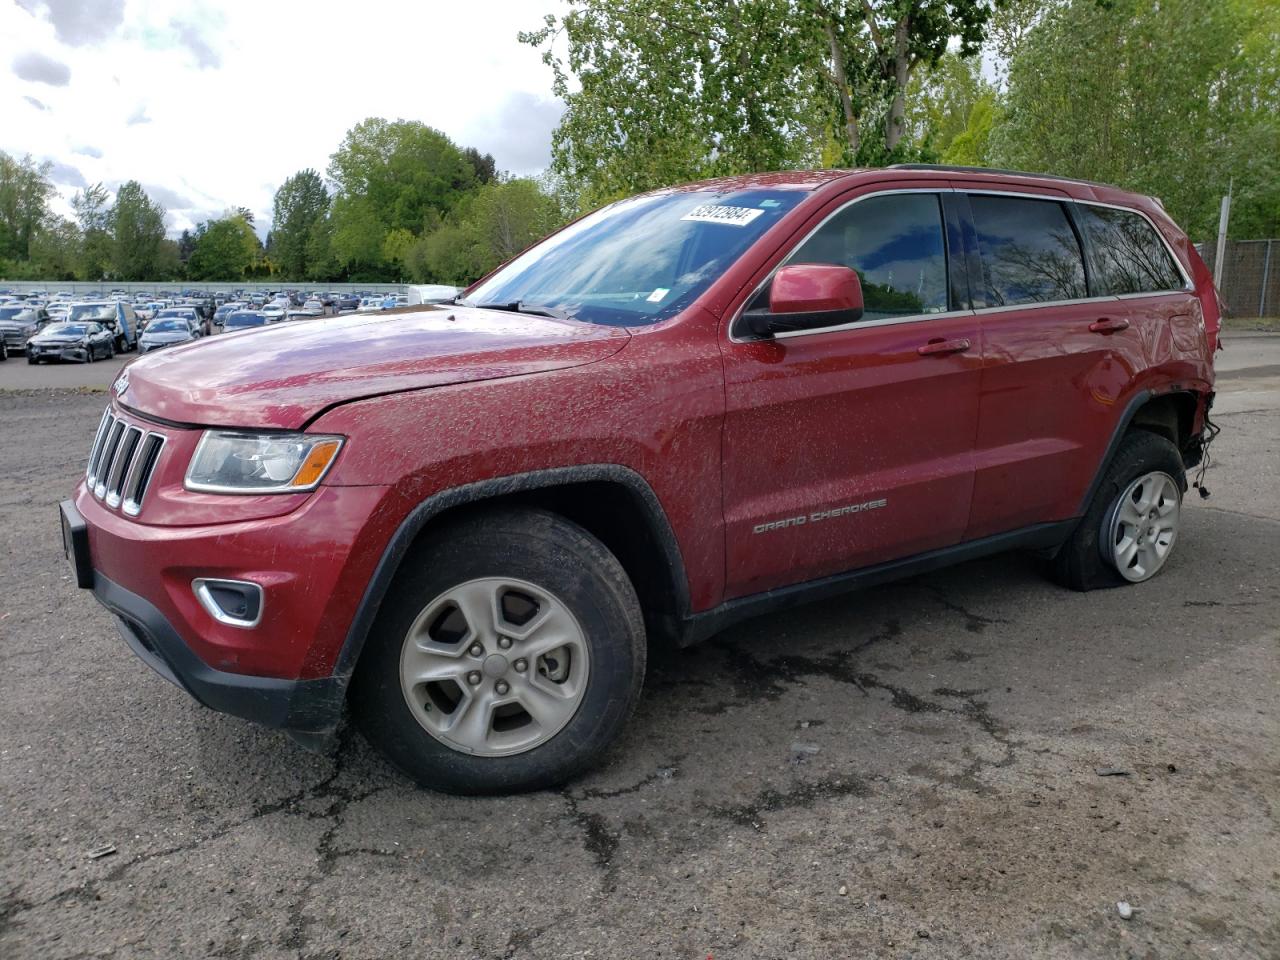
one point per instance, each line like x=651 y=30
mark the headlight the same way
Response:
x=236 y=462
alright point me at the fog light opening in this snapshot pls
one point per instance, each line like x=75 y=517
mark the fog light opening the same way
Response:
x=237 y=603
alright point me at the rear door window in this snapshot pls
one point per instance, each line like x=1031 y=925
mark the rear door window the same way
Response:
x=895 y=243
x=1028 y=249
x=1128 y=256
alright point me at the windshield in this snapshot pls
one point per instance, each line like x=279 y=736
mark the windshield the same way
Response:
x=173 y=312
x=245 y=320
x=93 y=311
x=12 y=313
x=640 y=260
x=160 y=326
x=68 y=330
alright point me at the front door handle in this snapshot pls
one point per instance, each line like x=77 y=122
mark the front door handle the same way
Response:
x=935 y=348
x=1108 y=325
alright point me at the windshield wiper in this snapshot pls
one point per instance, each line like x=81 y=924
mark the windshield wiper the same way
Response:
x=519 y=306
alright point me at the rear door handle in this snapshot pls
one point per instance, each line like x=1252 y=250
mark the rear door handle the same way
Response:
x=936 y=348
x=1107 y=325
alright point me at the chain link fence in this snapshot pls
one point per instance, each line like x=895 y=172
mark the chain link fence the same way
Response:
x=1250 y=276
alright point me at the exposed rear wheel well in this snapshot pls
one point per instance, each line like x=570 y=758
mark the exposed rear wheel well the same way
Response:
x=1172 y=416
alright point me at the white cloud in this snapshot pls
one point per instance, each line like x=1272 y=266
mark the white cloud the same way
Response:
x=219 y=102
x=78 y=21
x=36 y=67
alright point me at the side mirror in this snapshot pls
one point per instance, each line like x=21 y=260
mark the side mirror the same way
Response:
x=808 y=296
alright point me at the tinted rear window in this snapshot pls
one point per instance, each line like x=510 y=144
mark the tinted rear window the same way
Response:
x=895 y=244
x=1128 y=256
x=1029 y=251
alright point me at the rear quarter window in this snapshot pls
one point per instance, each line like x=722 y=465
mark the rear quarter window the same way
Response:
x=1127 y=255
x=1028 y=249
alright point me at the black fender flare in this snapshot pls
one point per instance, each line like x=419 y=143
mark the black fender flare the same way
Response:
x=418 y=518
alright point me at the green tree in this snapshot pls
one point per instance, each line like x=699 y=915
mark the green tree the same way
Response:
x=391 y=175
x=136 y=225
x=24 y=198
x=55 y=250
x=92 y=207
x=489 y=227
x=300 y=202
x=941 y=100
x=971 y=147
x=225 y=249
x=321 y=263
x=483 y=164
x=1185 y=100
x=672 y=90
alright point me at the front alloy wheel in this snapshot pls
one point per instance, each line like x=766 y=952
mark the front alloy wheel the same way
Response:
x=507 y=655
x=494 y=666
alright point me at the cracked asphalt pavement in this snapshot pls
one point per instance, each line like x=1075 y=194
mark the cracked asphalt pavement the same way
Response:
x=973 y=763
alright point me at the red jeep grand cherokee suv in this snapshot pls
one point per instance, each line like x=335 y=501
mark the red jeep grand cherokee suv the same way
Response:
x=681 y=410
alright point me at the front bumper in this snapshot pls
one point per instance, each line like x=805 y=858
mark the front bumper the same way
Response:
x=309 y=709
x=279 y=672
x=300 y=706
x=76 y=354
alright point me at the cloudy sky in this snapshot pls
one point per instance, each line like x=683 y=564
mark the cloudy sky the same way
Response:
x=212 y=105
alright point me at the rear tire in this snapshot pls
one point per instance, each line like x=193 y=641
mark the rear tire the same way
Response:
x=455 y=655
x=1132 y=522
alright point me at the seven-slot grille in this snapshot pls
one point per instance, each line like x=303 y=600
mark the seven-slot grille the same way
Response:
x=122 y=462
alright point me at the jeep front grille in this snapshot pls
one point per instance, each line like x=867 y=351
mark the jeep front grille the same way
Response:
x=121 y=463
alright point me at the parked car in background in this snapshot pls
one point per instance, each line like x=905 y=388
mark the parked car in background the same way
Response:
x=147 y=311
x=244 y=320
x=77 y=341
x=188 y=313
x=116 y=316
x=275 y=312
x=315 y=307
x=166 y=332
x=347 y=302
x=220 y=315
x=369 y=305
x=432 y=293
x=19 y=323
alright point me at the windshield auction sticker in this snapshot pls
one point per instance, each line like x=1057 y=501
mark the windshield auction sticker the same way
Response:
x=716 y=213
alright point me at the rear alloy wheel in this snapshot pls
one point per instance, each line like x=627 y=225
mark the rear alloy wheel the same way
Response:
x=1144 y=526
x=1131 y=525
x=507 y=655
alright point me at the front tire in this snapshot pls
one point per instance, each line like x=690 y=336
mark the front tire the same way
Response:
x=507 y=656
x=1131 y=526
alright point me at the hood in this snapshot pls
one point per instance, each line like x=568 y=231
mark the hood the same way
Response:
x=283 y=375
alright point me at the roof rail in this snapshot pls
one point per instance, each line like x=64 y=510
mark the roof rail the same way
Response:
x=947 y=168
